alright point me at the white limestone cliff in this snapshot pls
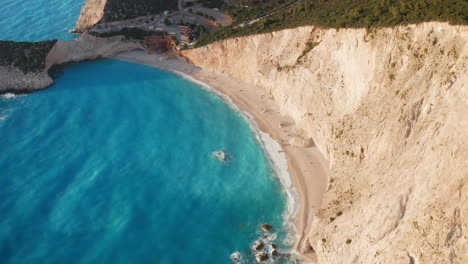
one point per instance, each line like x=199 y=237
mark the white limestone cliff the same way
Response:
x=389 y=110
x=91 y=13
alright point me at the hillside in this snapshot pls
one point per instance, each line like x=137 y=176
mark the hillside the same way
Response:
x=26 y=56
x=95 y=11
x=340 y=14
x=125 y=9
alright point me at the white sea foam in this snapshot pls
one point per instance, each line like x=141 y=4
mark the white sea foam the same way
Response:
x=8 y=96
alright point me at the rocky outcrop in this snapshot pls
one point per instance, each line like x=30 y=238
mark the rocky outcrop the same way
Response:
x=261 y=257
x=14 y=80
x=85 y=47
x=91 y=13
x=389 y=110
x=258 y=245
x=266 y=227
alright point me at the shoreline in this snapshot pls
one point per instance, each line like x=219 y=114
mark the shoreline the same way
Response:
x=301 y=170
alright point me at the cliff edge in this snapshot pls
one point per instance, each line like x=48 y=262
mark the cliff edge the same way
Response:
x=389 y=110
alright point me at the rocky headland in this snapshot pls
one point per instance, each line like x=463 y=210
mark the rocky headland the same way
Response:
x=86 y=47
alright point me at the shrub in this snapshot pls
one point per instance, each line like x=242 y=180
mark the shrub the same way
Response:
x=27 y=56
x=130 y=33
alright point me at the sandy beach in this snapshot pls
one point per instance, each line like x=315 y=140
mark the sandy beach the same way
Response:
x=307 y=167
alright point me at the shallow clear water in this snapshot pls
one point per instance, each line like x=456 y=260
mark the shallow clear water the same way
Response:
x=36 y=20
x=113 y=164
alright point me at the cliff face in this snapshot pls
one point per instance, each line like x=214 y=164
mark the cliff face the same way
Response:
x=91 y=13
x=389 y=109
x=14 y=80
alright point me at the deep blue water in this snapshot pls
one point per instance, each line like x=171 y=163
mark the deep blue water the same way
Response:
x=36 y=20
x=113 y=163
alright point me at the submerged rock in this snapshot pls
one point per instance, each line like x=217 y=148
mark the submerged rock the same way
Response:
x=266 y=227
x=261 y=257
x=221 y=155
x=269 y=237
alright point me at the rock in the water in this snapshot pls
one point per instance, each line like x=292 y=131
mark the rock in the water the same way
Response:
x=266 y=227
x=261 y=257
x=258 y=245
x=273 y=249
x=236 y=257
x=221 y=155
x=269 y=237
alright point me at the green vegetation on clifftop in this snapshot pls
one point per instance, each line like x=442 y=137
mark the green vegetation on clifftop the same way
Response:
x=126 y=9
x=27 y=56
x=341 y=14
x=129 y=33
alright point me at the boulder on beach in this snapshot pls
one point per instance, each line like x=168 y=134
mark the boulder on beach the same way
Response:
x=266 y=227
x=261 y=257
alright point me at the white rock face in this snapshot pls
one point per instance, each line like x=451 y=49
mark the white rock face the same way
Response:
x=389 y=109
x=88 y=47
x=14 y=80
x=91 y=13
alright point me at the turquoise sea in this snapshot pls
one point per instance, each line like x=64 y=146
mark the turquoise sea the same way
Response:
x=36 y=20
x=113 y=163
